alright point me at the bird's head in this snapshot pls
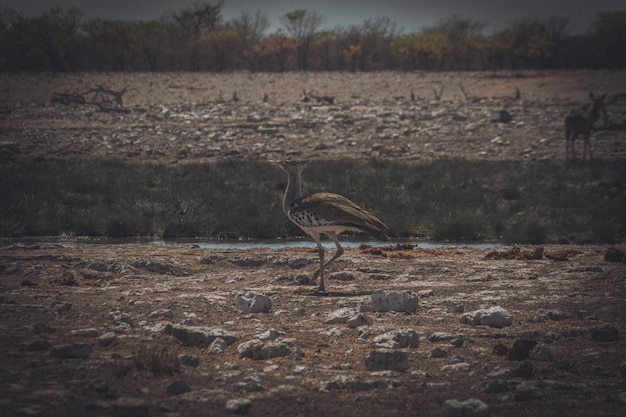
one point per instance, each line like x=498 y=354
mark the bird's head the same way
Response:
x=291 y=165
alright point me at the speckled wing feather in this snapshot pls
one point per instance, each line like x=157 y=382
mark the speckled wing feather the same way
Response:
x=335 y=210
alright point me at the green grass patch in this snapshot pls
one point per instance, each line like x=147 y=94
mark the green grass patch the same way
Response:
x=445 y=200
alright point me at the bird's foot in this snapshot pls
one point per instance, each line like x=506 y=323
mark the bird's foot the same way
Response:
x=321 y=291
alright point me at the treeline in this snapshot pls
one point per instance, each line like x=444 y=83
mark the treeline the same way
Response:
x=199 y=39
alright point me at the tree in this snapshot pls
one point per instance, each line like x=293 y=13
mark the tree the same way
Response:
x=535 y=42
x=423 y=50
x=200 y=17
x=610 y=31
x=251 y=30
x=277 y=49
x=301 y=25
x=462 y=38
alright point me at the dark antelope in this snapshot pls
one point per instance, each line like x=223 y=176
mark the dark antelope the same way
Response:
x=325 y=213
x=580 y=121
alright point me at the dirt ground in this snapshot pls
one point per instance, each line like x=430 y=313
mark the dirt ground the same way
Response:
x=145 y=330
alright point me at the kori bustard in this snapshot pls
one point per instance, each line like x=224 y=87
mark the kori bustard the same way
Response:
x=324 y=213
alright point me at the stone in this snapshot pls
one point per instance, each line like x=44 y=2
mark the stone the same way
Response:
x=458 y=341
x=177 y=387
x=458 y=366
x=238 y=406
x=271 y=334
x=472 y=407
x=84 y=333
x=107 y=339
x=198 y=336
x=492 y=317
x=397 y=339
x=383 y=360
x=437 y=353
x=456 y=309
x=359 y=320
x=129 y=406
x=34 y=410
x=400 y=301
x=163 y=313
x=218 y=345
x=37 y=345
x=605 y=333
x=75 y=351
x=252 y=302
x=541 y=352
x=192 y=361
x=42 y=328
x=259 y=350
x=341 y=315
x=342 y=276
x=521 y=349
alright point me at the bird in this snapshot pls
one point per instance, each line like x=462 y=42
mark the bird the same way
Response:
x=324 y=213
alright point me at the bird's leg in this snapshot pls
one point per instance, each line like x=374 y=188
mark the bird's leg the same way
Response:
x=320 y=271
x=337 y=254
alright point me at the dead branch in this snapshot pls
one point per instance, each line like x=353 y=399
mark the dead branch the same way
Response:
x=67 y=99
x=105 y=99
x=320 y=99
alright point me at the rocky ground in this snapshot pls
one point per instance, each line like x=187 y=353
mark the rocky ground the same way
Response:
x=412 y=116
x=179 y=330
x=143 y=330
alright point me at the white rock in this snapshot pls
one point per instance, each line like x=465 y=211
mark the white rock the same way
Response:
x=359 y=320
x=341 y=315
x=397 y=339
x=252 y=302
x=472 y=407
x=492 y=317
x=401 y=301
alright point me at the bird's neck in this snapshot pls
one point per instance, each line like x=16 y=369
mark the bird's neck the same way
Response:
x=293 y=190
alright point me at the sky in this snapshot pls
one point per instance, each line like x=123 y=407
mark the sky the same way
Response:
x=409 y=15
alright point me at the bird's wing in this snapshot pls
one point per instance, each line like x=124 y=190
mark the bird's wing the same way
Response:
x=338 y=210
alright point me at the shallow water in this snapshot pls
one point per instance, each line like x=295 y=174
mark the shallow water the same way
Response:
x=237 y=244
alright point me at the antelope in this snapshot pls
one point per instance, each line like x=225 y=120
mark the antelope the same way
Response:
x=580 y=121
